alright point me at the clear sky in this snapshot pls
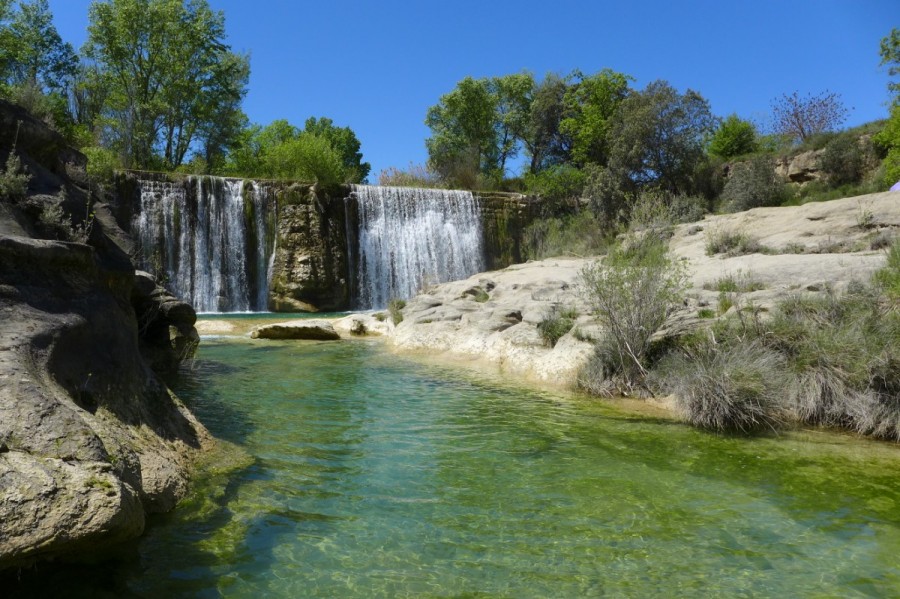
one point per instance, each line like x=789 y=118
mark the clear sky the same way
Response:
x=377 y=66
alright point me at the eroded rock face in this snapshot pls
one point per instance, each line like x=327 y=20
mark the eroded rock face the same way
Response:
x=90 y=439
x=802 y=168
x=492 y=318
x=310 y=269
x=166 y=325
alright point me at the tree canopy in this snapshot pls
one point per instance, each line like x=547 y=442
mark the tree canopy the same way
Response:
x=733 y=137
x=321 y=152
x=31 y=50
x=169 y=78
x=657 y=136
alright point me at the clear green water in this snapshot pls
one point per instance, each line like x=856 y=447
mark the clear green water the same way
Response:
x=377 y=477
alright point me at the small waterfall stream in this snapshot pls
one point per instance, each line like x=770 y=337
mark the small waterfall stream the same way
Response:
x=207 y=237
x=409 y=238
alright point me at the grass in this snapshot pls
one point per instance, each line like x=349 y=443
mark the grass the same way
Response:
x=725 y=302
x=737 y=283
x=581 y=234
x=725 y=389
x=395 y=308
x=888 y=278
x=733 y=243
x=556 y=323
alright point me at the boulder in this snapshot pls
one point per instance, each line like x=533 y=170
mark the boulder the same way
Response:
x=314 y=330
x=359 y=325
x=165 y=325
x=802 y=168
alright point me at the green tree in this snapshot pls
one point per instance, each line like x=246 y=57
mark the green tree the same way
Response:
x=343 y=141
x=733 y=137
x=890 y=56
x=31 y=50
x=307 y=157
x=544 y=143
x=656 y=139
x=168 y=75
x=513 y=97
x=889 y=137
x=590 y=103
x=463 y=138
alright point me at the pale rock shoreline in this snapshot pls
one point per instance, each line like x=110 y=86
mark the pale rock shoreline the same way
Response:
x=490 y=319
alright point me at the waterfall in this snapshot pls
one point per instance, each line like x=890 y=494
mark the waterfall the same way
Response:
x=207 y=239
x=411 y=238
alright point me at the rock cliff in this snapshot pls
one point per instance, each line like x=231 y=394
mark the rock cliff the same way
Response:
x=91 y=439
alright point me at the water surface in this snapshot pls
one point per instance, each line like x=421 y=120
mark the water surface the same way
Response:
x=373 y=476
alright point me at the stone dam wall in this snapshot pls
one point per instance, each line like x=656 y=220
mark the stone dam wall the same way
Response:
x=311 y=234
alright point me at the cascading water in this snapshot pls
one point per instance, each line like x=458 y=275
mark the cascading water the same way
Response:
x=409 y=238
x=207 y=241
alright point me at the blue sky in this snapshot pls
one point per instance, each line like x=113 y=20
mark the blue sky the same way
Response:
x=377 y=66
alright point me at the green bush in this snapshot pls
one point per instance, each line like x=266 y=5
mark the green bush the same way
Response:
x=556 y=183
x=735 y=283
x=557 y=322
x=687 y=209
x=888 y=278
x=102 y=163
x=307 y=157
x=733 y=243
x=395 y=308
x=14 y=179
x=734 y=137
x=580 y=234
x=416 y=175
x=843 y=160
x=632 y=295
x=889 y=139
x=753 y=184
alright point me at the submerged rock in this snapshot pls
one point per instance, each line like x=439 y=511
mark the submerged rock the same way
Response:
x=314 y=330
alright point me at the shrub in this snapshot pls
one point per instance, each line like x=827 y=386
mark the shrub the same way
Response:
x=736 y=388
x=556 y=323
x=888 y=277
x=632 y=295
x=843 y=160
x=416 y=175
x=735 y=283
x=14 y=179
x=725 y=302
x=556 y=183
x=732 y=243
x=889 y=139
x=307 y=157
x=580 y=234
x=102 y=163
x=842 y=353
x=734 y=137
x=395 y=307
x=753 y=184
x=687 y=209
